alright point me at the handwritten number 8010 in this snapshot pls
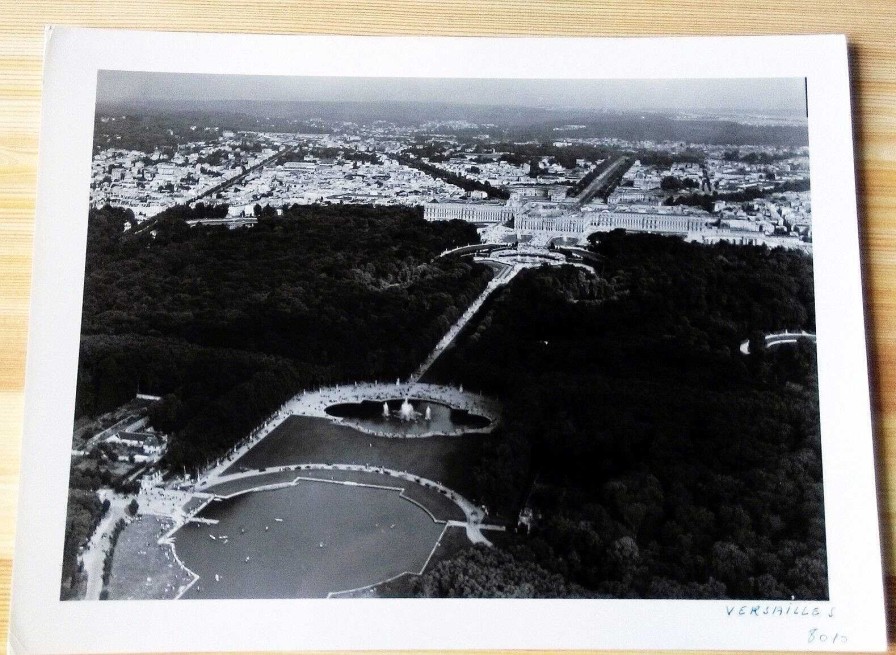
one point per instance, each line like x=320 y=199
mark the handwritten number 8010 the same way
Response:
x=816 y=637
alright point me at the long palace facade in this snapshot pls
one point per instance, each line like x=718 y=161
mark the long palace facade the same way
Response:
x=471 y=212
x=539 y=219
x=649 y=221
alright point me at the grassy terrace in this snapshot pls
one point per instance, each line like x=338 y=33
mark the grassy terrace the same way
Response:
x=303 y=439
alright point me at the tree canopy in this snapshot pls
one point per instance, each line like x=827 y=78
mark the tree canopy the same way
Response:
x=659 y=460
x=227 y=324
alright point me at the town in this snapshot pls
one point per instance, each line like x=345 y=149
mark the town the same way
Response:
x=704 y=193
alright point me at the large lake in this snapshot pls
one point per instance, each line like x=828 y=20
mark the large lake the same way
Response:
x=332 y=537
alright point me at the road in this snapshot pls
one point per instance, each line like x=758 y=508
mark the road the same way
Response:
x=236 y=178
x=598 y=183
x=151 y=221
x=94 y=554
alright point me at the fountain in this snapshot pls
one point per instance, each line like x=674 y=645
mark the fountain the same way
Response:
x=407 y=413
x=402 y=417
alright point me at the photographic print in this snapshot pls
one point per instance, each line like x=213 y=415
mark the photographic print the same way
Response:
x=447 y=338
x=359 y=343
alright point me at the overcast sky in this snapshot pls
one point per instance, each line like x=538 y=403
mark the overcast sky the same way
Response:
x=781 y=96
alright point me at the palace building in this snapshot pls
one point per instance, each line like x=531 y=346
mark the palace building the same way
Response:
x=559 y=217
x=551 y=222
x=473 y=213
x=652 y=221
x=639 y=221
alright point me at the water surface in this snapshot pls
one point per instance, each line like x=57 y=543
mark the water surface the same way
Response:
x=332 y=537
x=369 y=415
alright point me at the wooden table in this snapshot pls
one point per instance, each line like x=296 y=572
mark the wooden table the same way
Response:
x=869 y=24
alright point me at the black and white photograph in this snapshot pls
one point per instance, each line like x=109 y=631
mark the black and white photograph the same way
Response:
x=416 y=343
x=349 y=337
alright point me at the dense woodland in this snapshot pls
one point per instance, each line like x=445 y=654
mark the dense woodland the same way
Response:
x=659 y=461
x=482 y=572
x=83 y=513
x=228 y=324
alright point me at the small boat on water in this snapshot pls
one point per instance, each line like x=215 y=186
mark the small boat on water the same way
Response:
x=212 y=537
x=321 y=545
x=217 y=578
x=247 y=558
x=279 y=520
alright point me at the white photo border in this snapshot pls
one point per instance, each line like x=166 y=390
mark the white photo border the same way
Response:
x=40 y=622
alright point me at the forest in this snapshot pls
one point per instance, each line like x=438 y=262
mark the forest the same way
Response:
x=658 y=461
x=226 y=325
x=84 y=511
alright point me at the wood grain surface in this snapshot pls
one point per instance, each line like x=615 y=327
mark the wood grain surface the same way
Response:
x=869 y=25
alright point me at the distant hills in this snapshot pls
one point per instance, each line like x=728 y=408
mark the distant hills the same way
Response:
x=499 y=121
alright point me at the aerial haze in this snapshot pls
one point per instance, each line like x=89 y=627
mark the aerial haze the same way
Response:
x=776 y=97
